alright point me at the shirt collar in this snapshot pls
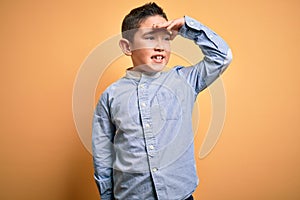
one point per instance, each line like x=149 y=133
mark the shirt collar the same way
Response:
x=131 y=74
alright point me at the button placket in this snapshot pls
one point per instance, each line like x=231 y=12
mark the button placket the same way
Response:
x=151 y=148
x=145 y=112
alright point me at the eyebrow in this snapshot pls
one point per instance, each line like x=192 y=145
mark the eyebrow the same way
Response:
x=153 y=31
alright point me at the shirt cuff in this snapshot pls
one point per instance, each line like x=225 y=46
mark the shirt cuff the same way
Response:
x=190 y=27
x=105 y=188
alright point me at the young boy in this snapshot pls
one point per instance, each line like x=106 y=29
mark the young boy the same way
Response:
x=142 y=130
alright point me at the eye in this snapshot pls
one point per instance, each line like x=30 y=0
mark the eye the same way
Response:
x=167 y=38
x=149 y=38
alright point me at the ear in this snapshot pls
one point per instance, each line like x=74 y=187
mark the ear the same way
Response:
x=125 y=46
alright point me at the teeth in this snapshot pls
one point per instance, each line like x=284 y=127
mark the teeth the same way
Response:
x=158 y=57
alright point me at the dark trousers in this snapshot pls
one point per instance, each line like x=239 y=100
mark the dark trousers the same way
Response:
x=190 y=198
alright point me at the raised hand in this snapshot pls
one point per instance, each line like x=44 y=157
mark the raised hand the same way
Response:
x=172 y=26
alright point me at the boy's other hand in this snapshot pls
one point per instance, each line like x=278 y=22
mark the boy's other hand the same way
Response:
x=173 y=26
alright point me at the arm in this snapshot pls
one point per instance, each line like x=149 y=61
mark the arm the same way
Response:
x=103 y=153
x=217 y=54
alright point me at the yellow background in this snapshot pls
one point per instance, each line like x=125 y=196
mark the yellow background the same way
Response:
x=43 y=44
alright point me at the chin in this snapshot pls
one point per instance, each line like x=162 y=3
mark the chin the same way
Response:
x=157 y=68
x=150 y=67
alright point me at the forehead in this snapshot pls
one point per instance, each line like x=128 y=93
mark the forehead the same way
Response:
x=146 y=27
x=149 y=21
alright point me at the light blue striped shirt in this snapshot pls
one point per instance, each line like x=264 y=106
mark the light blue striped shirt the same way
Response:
x=142 y=138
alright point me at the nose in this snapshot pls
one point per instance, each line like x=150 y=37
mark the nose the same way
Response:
x=159 y=46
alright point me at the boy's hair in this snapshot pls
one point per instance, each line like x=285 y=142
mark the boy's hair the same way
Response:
x=132 y=21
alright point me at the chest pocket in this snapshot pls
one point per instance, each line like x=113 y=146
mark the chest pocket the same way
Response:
x=170 y=106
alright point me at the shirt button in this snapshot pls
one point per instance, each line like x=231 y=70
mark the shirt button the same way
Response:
x=143 y=104
x=142 y=85
x=154 y=169
x=151 y=147
x=147 y=125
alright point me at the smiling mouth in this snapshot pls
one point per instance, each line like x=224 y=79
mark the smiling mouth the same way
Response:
x=157 y=57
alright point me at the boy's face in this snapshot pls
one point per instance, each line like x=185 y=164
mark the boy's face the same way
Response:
x=150 y=47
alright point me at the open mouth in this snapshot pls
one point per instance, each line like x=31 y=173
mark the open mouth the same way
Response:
x=157 y=58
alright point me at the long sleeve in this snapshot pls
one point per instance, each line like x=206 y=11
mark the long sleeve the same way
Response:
x=217 y=55
x=103 y=153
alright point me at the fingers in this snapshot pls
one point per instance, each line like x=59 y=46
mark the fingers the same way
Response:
x=162 y=25
x=167 y=25
x=170 y=25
